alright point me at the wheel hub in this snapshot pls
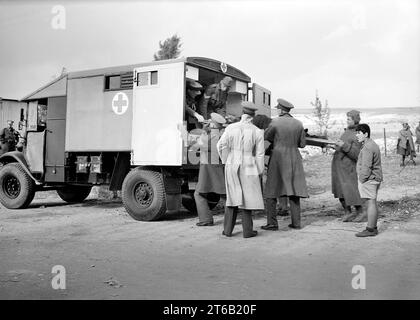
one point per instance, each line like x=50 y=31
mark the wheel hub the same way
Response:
x=11 y=187
x=143 y=194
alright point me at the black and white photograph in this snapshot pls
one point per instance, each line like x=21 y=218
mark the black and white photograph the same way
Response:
x=227 y=151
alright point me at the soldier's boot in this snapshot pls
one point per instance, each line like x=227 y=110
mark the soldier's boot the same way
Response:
x=361 y=215
x=295 y=212
x=229 y=220
x=348 y=215
x=282 y=208
x=247 y=224
x=272 y=223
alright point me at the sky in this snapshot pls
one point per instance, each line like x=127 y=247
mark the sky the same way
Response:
x=356 y=54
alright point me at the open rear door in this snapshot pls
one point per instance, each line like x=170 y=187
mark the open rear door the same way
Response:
x=262 y=98
x=158 y=110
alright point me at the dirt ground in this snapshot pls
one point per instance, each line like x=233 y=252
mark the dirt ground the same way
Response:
x=107 y=255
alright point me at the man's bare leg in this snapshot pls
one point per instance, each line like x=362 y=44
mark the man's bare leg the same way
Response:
x=372 y=213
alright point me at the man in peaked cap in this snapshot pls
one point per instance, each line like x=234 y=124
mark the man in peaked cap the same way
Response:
x=241 y=149
x=284 y=105
x=211 y=177
x=193 y=117
x=285 y=176
x=9 y=137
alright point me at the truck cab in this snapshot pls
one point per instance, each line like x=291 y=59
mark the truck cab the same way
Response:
x=118 y=126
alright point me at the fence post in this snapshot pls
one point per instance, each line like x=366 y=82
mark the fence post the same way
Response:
x=385 y=141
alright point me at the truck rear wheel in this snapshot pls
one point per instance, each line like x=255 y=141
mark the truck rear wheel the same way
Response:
x=17 y=189
x=74 y=194
x=143 y=195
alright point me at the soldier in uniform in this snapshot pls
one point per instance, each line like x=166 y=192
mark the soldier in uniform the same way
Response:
x=285 y=175
x=343 y=169
x=9 y=137
x=194 y=119
x=215 y=97
x=241 y=149
x=263 y=122
x=211 y=177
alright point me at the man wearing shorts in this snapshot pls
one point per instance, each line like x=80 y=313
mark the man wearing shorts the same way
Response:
x=369 y=171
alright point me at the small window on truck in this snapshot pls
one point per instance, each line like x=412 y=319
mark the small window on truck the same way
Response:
x=112 y=82
x=148 y=78
x=122 y=81
x=153 y=77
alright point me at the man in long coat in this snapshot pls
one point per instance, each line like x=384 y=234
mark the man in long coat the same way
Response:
x=241 y=148
x=211 y=177
x=343 y=169
x=285 y=176
x=405 y=145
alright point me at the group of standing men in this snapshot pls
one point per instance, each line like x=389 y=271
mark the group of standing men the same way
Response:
x=356 y=170
x=201 y=103
x=241 y=150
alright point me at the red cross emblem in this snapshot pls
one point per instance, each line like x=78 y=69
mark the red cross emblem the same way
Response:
x=120 y=103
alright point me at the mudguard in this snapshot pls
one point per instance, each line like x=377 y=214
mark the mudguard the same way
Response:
x=17 y=156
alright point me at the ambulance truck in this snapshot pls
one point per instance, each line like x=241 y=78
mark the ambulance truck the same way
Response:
x=121 y=127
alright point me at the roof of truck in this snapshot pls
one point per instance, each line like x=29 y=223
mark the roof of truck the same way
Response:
x=118 y=69
x=57 y=86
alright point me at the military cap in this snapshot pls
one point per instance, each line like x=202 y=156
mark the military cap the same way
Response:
x=249 y=107
x=284 y=105
x=194 y=85
x=355 y=115
x=10 y=122
x=227 y=80
x=215 y=117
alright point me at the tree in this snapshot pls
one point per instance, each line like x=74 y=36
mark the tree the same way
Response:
x=321 y=114
x=169 y=49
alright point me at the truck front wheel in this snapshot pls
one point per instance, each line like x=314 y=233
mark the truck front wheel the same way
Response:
x=143 y=195
x=74 y=194
x=17 y=189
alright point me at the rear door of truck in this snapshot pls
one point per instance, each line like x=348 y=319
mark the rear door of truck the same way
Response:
x=262 y=98
x=158 y=109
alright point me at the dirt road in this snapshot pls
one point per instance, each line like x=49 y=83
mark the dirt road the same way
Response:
x=107 y=255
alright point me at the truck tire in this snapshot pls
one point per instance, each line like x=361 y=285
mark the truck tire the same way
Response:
x=143 y=195
x=17 y=189
x=189 y=203
x=74 y=194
